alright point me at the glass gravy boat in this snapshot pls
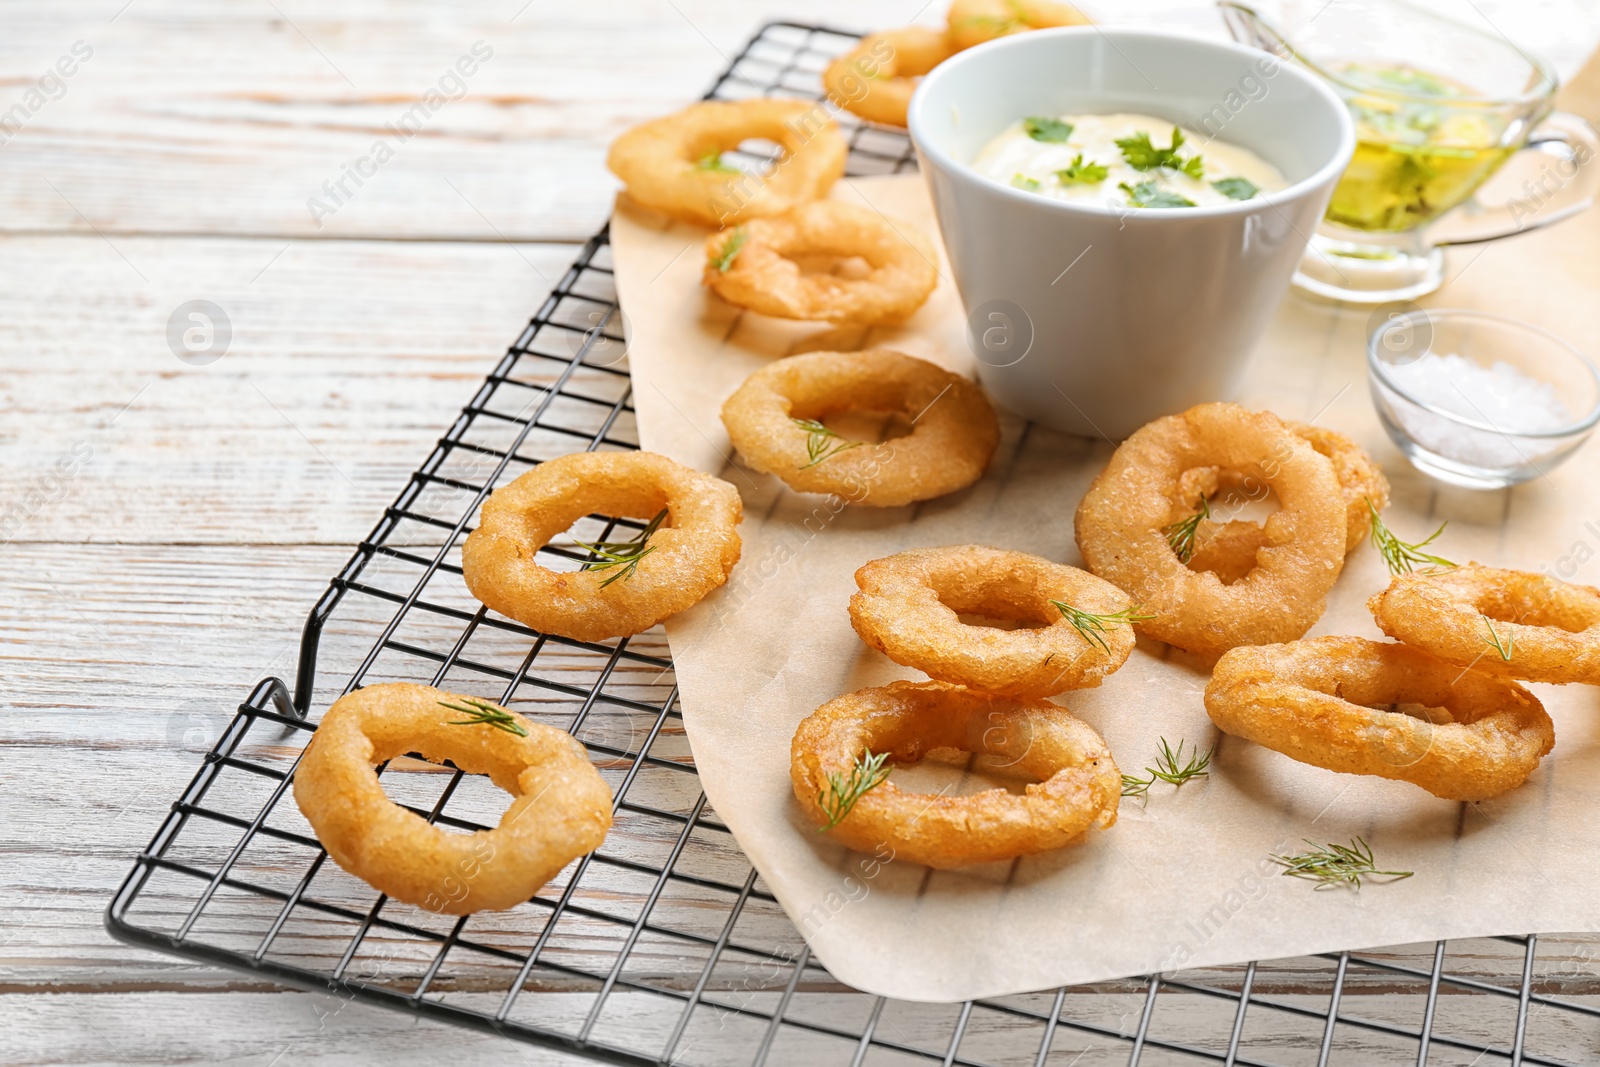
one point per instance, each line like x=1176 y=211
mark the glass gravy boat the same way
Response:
x=1439 y=107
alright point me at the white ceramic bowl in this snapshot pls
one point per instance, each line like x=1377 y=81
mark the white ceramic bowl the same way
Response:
x=1096 y=319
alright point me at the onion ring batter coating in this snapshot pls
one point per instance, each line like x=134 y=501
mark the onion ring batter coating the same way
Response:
x=976 y=21
x=876 y=78
x=687 y=558
x=1320 y=702
x=1079 y=785
x=1549 y=628
x=753 y=265
x=953 y=436
x=560 y=808
x=1360 y=479
x=674 y=163
x=909 y=604
x=1121 y=520
x=1229 y=548
x=1226 y=549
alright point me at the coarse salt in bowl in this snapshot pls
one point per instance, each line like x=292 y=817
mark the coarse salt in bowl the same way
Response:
x=1480 y=400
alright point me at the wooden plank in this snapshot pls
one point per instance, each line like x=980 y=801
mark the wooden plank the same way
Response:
x=348 y=359
x=230 y=119
x=87 y=1030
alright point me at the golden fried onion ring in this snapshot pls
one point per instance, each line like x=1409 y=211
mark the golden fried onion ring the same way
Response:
x=688 y=557
x=1549 y=629
x=674 y=163
x=954 y=430
x=753 y=266
x=1079 y=784
x=560 y=808
x=876 y=78
x=909 y=605
x=1361 y=480
x=976 y=21
x=1322 y=702
x=1228 y=548
x=1121 y=521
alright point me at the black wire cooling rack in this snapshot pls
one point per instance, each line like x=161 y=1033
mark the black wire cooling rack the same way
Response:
x=664 y=947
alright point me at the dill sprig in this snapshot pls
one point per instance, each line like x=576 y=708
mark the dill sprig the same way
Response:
x=1180 y=534
x=843 y=790
x=1134 y=786
x=1331 y=866
x=730 y=248
x=1093 y=627
x=819 y=438
x=483 y=713
x=713 y=161
x=1503 y=648
x=622 y=554
x=1401 y=556
x=1171 y=767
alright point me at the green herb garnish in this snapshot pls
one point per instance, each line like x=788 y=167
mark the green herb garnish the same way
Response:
x=730 y=248
x=1081 y=173
x=1403 y=557
x=624 y=555
x=818 y=442
x=1149 y=194
x=1402 y=78
x=1180 y=534
x=1142 y=155
x=1051 y=131
x=842 y=791
x=1022 y=181
x=1093 y=627
x=1236 y=188
x=713 y=161
x=1335 y=865
x=1171 y=767
x=1504 y=648
x=483 y=713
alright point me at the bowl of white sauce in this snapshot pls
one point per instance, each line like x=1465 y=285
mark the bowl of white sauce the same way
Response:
x=1123 y=210
x=1479 y=400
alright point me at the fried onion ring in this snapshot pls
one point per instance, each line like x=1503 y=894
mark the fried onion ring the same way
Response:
x=876 y=78
x=976 y=21
x=685 y=559
x=1323 y=702
x=954 y=431
x=560 y=807
x=1226 y=549
x=909 y=607
x=1549 y=630
x=1122 y=520
x=1229 y=548
x=754 y=265
x=674 y=163
x=1079 y=784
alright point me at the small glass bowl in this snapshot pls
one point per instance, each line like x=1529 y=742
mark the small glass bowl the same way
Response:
x=1461 y=427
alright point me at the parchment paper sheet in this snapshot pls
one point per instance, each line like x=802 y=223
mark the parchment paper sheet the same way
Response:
x=1186 y=880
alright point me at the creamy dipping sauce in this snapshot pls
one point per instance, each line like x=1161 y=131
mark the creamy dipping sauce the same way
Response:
x=1123 y=160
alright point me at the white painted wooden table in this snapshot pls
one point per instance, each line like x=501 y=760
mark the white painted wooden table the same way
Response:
x=166 y=526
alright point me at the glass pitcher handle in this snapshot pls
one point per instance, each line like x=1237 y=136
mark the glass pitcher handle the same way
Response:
x=1564 y=187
